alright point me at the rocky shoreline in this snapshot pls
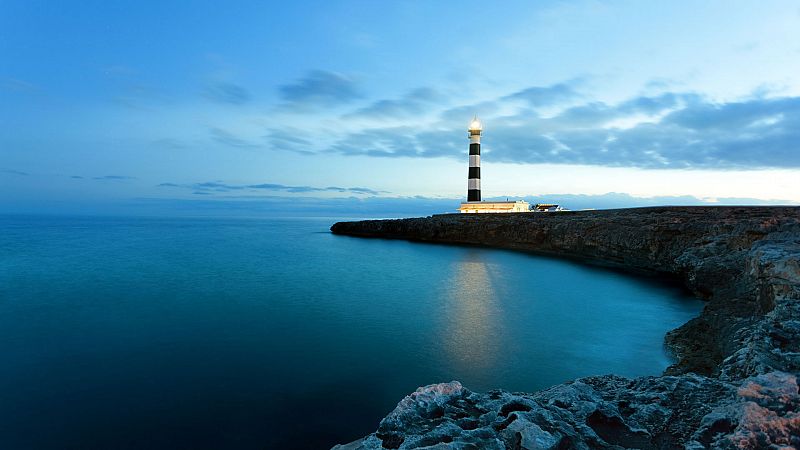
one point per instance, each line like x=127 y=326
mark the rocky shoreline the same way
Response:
x=734 y=384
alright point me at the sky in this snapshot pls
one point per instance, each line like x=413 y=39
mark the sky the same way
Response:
x=355 y=104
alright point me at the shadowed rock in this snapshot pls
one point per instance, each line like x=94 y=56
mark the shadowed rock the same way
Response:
x=686 y=411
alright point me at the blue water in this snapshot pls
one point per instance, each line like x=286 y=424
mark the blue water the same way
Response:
x=207 y=333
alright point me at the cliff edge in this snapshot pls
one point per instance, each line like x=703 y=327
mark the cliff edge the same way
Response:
x=734 y=383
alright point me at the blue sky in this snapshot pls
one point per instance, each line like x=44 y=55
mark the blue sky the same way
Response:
x=118 y=103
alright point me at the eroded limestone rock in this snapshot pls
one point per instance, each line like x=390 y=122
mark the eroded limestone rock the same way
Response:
x=608 y=412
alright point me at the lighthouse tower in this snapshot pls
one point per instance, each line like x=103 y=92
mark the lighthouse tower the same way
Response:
x=474 y=205
x=474 y=178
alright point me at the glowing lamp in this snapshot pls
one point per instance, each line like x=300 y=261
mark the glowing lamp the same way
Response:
x=475 y=125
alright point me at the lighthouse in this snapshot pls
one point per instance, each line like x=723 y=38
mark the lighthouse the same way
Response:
x=474 y=205
x=474 y=178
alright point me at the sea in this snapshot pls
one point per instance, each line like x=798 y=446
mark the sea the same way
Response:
x=273 y=333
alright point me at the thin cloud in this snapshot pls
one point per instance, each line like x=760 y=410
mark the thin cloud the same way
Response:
x=217 y=186
x=281 y=187
x=227 y=138
x=660 y=84
x=463 y=113
x=306 y=189
x=290 y=140
x=413 y=102
x=210 y=187
x=229 y=93
x=356 y=190
x=319 y=88
x=170 y=143
x=113 y=177
x=15 y=172
x=537 y=96
x=381 y=142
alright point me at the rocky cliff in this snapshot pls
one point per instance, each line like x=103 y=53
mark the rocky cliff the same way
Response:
x=734 y=383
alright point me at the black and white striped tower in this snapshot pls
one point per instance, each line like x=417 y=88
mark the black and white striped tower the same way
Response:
x=474 y=178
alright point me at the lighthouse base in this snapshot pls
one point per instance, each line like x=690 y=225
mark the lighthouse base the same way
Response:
x=494 y=207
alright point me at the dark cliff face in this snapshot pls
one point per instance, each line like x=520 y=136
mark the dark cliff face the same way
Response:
x=743 y=260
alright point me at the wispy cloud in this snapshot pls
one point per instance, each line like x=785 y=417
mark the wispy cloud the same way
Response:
x=319 y=88
x=382 y=142
x=230 y=93
x=412 y=103
x=537 y=96
x=227 y=138
x=289 y=139
x=113 y=177
x=462 y=113
x=15 y=172
x=216 y=186
x=210 y=187
x=306 y=189
x=170 y=143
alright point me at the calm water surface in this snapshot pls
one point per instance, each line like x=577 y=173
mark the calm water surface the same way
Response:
x=206 y=333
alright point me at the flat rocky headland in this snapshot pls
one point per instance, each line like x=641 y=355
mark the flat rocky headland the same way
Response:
x=734 y=383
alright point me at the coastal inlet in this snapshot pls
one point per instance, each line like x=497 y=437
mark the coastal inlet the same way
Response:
x=734 y=384
x=227 y=333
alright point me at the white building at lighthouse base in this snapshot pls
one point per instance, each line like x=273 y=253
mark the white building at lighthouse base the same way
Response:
x=494 y=207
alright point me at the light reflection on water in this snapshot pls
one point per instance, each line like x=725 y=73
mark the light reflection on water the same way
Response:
x=470 y=336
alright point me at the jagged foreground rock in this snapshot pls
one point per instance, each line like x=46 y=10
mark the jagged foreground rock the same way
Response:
x=689 y=411
x=734 y=384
